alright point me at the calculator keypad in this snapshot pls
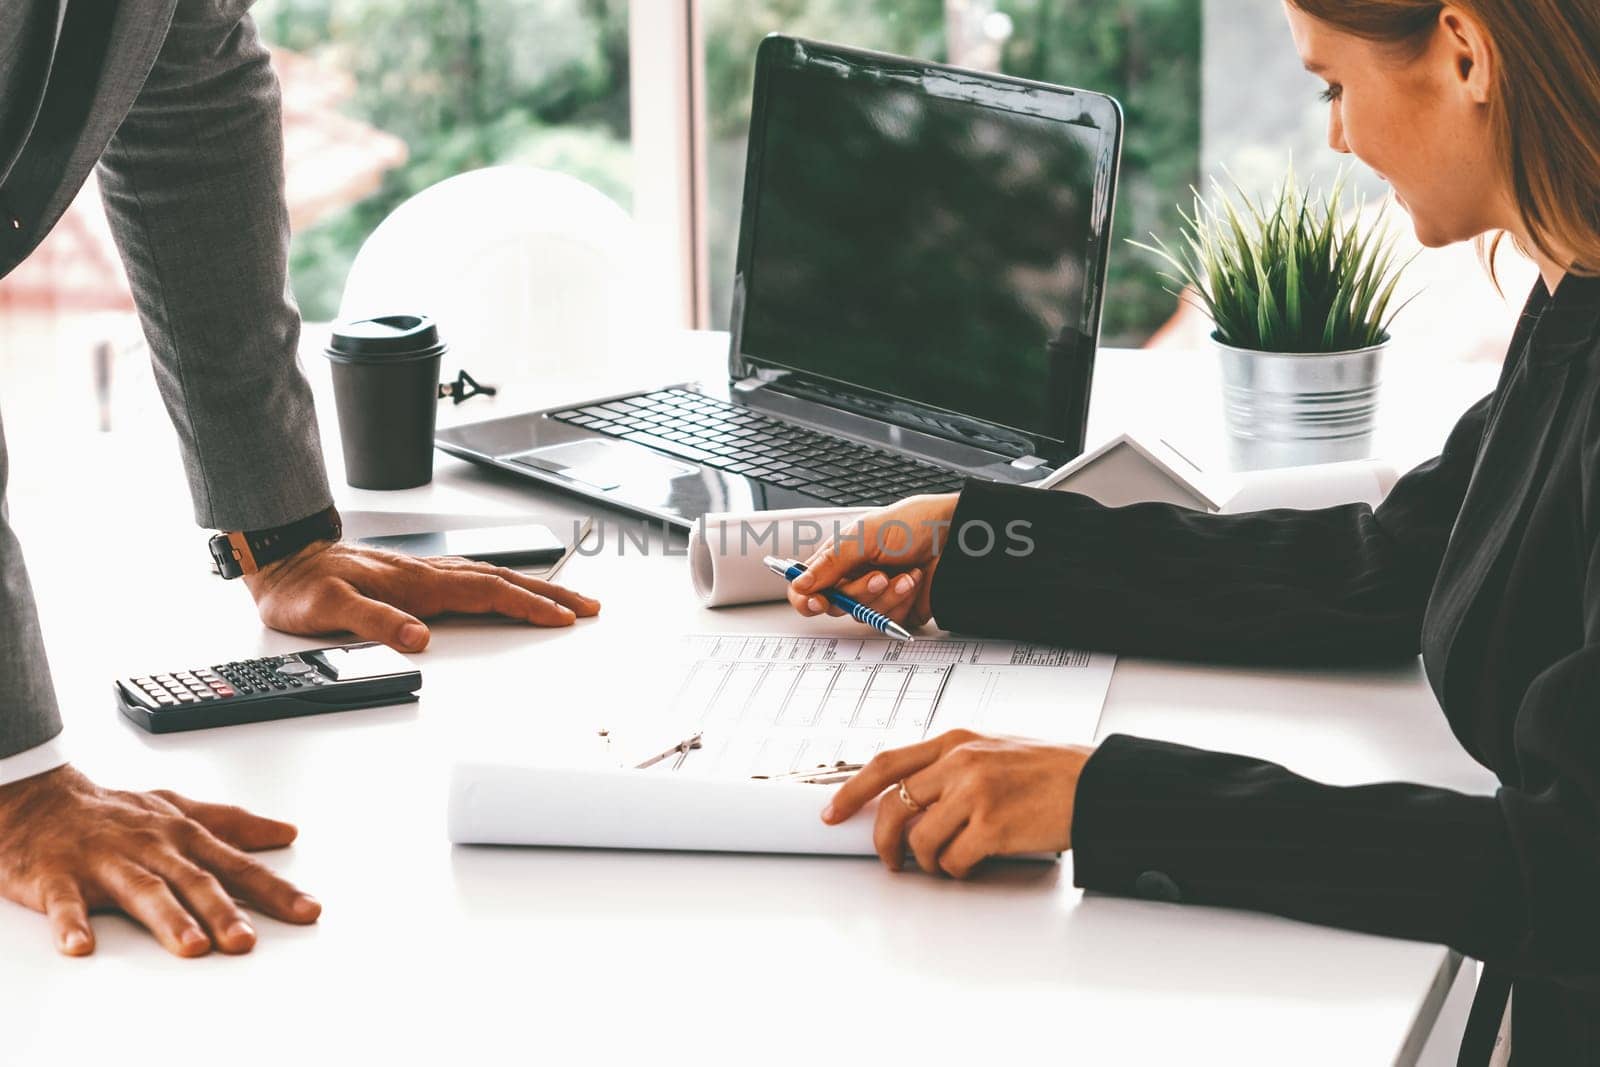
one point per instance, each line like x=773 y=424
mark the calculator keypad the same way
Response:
x=184 y=687
x=241 y=678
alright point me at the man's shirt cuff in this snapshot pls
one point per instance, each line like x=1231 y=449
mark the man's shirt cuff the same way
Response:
x=32 y=761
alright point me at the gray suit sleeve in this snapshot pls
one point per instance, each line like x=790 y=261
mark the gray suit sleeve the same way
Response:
x=193 y=185
x=28 y=712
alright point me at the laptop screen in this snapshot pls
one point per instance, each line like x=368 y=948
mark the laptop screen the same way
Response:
x=943 y=247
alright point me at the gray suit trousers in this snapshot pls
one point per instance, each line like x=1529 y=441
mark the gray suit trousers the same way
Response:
x=183 y=117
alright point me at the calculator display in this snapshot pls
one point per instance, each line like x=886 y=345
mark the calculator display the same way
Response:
x=360 y=661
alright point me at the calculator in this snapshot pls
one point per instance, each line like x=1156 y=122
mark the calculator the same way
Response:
x=312 y=682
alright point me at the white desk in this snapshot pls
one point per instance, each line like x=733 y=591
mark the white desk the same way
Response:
x=428 y=953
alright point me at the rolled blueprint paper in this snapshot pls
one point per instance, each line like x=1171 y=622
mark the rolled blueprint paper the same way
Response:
x=500 y=804
x=725 y=550
x=503 y=804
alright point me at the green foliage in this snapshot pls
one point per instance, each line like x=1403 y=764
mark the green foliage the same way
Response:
x=1146 y=53
x=733 y=29
x=1287 y=274
x=468 y=83
x=465 y=84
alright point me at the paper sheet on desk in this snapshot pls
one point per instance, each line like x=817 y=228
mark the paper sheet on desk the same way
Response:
x=767 y=704
x=1325 y=485
x=770 y=704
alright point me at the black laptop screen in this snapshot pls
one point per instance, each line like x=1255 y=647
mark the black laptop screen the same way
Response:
x=931 y=248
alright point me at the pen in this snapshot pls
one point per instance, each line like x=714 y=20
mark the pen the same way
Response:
x=858 y=611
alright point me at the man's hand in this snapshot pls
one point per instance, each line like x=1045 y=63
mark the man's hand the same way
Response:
x=381 y=596
x=175 y=865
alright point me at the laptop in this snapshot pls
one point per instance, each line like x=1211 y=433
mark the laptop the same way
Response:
x=919 y=281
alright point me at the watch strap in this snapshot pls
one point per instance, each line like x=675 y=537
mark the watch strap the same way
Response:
x=240 y=552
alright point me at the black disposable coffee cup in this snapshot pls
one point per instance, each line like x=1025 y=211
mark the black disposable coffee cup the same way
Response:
x=386 y=385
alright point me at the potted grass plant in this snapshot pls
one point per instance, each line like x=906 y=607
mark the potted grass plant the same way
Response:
x=1300 y=299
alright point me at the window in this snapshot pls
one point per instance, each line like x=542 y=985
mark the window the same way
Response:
x=1174 y=65
x=383 y=99
x=386 y=97
x=1254 y=127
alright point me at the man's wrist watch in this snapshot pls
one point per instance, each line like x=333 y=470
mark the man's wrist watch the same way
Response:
x=240 y=552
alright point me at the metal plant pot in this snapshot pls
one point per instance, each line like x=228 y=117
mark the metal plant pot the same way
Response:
x=1289 y=409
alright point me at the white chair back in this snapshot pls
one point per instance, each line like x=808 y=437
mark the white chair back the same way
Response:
x=531 y=275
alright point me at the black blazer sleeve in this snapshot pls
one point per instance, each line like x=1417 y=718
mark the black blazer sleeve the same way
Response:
x=1509 y=879
x=1336 y=585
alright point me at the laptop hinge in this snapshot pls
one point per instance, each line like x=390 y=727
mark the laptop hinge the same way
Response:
x=1027 y=463
x=748 y=385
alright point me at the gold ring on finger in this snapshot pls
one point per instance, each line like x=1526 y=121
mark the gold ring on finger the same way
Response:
x=905 y=798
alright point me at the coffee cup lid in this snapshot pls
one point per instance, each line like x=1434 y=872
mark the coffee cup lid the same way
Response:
x=384 y=335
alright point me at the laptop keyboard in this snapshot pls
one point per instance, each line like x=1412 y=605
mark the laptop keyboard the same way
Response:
x=737 y=440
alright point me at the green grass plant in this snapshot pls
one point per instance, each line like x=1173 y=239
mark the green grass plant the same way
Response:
x=1287 y=273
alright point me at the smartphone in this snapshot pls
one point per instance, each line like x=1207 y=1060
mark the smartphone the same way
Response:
x=504 y=546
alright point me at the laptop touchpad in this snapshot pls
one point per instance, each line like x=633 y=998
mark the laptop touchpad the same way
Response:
x=601 y=464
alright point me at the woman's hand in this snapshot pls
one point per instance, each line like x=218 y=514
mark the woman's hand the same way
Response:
x=332 y=587
x=974 y=797
x=886 y=562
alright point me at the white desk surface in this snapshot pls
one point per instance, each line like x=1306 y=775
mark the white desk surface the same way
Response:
x=431 y=953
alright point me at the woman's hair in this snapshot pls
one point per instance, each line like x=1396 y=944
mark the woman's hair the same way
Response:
x=1546 y=111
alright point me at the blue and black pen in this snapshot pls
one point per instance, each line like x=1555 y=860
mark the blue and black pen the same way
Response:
x=790 y=570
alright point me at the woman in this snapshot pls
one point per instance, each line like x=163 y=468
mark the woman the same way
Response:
x=1485 y=116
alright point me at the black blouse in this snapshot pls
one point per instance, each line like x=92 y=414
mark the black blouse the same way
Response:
x=1486 y=560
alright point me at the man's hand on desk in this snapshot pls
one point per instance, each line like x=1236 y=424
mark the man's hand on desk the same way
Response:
x=381 y=596
x=887 y=563
x=966 y=797
x=68 y=847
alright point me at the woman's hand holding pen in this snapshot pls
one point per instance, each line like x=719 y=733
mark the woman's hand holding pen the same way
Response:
x=886 y=563
x=959 y=798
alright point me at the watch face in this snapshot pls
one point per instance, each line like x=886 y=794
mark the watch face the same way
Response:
x=224 y=560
